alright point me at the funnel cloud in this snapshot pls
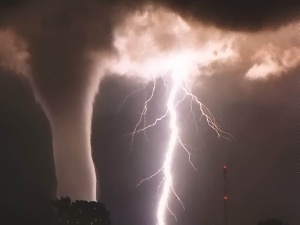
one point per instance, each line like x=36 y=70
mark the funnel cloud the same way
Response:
x=53 y=43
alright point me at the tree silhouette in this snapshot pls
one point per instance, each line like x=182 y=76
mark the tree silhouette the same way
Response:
x=66 y=212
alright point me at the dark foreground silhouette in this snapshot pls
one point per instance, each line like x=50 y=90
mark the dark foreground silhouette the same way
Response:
x=61 y=212
x=65 y=212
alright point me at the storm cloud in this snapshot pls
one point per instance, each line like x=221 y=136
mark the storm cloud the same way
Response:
x=250 y=15
x=53 y=43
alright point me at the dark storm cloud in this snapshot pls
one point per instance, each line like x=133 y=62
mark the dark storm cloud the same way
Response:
x=59 y=37
x=237 y=14
x=60 y=33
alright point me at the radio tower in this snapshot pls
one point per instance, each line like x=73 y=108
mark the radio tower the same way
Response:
x=225 y=194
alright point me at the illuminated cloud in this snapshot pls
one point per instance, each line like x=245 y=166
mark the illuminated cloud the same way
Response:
x=267 y=53
x=153 y=42
x=157 y=36
x=13 y=53
x=272 y=60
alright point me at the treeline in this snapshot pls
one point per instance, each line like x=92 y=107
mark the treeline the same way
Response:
x=61 y=212
x=65 y=212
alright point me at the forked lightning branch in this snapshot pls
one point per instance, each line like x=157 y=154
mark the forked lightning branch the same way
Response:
x=171 y=114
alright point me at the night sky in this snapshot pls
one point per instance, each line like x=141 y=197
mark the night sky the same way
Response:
x=261 y=115
x=261 y=157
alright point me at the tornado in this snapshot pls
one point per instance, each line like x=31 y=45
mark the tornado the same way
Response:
x=65 y=84
x=59 y=41
x=61 y=47
x=67 y=101
x=53 y=42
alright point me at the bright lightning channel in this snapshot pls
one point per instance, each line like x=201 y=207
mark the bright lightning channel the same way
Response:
x=174 y=140
x=168 y=181
x=178 y=52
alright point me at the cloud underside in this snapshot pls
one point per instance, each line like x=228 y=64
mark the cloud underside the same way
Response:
x=54 y=38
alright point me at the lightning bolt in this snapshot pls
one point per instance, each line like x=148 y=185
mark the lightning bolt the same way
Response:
x=145 y=56
x=177 y=86
x=175 y=140
x=168 y=181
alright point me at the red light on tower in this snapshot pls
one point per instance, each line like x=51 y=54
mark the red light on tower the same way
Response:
x=225 y=198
